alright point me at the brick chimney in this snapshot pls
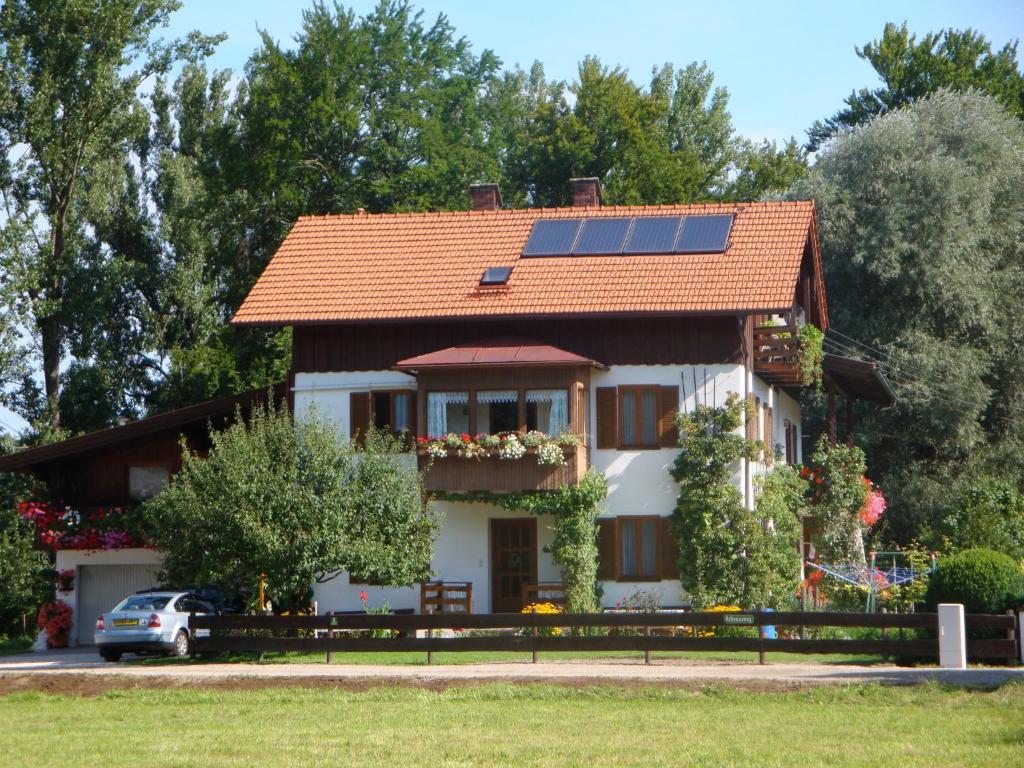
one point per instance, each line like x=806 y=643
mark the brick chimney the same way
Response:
x=485 y=197
x=586 y=193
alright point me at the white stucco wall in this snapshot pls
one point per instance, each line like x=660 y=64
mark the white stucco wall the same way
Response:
x=462 y=552
x=328 y=393
x=639 y=482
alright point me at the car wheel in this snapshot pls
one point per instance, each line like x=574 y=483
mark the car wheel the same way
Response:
x=111 y=655
x=180 y=647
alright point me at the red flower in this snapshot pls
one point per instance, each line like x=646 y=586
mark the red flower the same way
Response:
x=465 y=437
x=819 y=480
x=803 y=472
x=363 y=596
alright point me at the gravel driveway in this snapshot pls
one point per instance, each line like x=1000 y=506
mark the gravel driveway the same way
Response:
x=628 y=671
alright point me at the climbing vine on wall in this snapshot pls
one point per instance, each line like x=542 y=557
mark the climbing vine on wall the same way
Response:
x=574 y=509
x=728 y=554
x=811 y=355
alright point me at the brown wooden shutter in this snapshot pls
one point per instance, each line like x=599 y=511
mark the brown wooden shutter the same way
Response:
x=359 y=414
x=669 y=550
x=606 y=554
x=607 y=417
x=667 y=429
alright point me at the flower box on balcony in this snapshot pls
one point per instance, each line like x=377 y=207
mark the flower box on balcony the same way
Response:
x=456 y=473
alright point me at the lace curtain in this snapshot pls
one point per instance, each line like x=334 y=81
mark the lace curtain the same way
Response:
x=437 y=410
x=558 y=400
x=497 y=396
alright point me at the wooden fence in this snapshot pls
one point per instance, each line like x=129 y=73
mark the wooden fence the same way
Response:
x=646 y=632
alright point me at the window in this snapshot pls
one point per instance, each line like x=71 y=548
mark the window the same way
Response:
x=638 y=410
x=145 y=482
x=497 y=411
x=447 y=412
x=547 y=410
x=638 y=547
x=391 y=411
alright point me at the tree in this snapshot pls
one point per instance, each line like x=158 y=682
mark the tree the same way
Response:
x=921 y=219
x=23 y=568
x=70 y=73
x=729 y=554
x=283 y=497
x=910 y=69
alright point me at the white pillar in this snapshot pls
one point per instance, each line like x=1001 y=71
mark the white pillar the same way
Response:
x=952 y=636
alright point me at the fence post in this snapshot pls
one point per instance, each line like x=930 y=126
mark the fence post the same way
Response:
x=952 y=636
x=430 y=654
x=1011 y=634
x=330 y=635
x=760 y=651
x=192 y=633
x=1020 y=633
x=536 y=633
x=647 y=650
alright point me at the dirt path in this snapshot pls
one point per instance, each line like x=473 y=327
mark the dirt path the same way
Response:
x=78 y=672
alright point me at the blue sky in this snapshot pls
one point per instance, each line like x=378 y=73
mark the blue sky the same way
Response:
x=785 y=63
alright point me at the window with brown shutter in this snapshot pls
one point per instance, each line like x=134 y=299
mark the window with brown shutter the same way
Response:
x=607 y=417
x=393 y=410
x=669 y=431
x=606 y=565
x=639 y=416
x=669 y=551
x=358 y=414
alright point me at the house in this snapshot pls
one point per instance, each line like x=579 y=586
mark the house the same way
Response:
x=598 y=321
x=113 y=469
x=595 y=320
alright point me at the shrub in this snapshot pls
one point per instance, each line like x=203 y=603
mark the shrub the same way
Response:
x=983 y=580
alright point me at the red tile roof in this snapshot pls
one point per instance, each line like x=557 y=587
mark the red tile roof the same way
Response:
x=499 y=352
x=428 y=265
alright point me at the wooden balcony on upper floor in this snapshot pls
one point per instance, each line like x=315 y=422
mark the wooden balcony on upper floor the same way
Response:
x=456 y=474
x=776 y=351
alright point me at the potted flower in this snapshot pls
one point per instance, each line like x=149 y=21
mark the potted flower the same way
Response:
x=66 y=580
x=55 y=621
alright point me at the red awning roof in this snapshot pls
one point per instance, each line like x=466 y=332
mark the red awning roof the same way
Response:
x=498 y=352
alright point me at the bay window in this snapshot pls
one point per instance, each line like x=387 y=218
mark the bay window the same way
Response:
x=547 y=410
x=447 y=412
x=497 y=411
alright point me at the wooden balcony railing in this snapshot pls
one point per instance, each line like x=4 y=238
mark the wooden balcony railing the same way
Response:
x=777 y=353
x=490 y=473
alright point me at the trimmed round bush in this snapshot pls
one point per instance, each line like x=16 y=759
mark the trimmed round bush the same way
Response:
x=983 y=580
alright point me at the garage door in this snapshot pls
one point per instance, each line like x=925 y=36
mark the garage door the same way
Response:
x=101 y=587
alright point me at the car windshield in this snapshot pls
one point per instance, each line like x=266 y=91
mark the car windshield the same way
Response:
x=144 y=603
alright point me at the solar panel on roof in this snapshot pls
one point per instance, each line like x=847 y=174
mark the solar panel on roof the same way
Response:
x=496 y=276
x=601 y=237
x=552 y=237
x=652 y=234
x=703 y=234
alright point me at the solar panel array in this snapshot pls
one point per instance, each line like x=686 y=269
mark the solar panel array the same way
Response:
x=638 y=235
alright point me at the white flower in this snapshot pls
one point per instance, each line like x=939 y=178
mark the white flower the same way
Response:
x=550 y=454
x=436 y=451
x=511 y=448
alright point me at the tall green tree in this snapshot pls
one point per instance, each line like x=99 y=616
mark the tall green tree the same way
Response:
x=910 y=68
x=70 y=75
x=921 y=216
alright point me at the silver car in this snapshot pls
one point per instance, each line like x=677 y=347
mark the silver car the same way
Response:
x=149 y=622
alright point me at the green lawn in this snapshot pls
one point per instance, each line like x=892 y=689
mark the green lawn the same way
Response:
x=517 y=725
x=491 y=657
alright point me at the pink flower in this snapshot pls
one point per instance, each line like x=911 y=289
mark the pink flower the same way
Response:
x=873 y=509
x=363 y=596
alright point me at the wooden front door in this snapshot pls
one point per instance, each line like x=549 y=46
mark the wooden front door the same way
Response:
x=513 y=561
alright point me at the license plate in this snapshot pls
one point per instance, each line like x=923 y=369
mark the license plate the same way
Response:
x=126 y=622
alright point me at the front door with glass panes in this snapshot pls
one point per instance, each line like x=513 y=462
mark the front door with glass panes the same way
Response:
x=513 y=561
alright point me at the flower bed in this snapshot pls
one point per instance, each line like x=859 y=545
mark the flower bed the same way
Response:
x=100 y=528
x=55 y=620
x=508 y=446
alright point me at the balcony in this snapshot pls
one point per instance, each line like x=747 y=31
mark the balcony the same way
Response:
x=457 y=474
x=776 y=350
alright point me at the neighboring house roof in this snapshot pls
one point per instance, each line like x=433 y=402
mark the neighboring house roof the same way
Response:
x=112 y=436
x=428 y=266
x=498 y=352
